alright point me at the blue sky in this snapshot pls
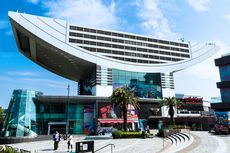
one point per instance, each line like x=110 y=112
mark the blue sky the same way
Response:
x=194 y=20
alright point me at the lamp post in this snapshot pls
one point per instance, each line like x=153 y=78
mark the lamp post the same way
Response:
x=67 y=115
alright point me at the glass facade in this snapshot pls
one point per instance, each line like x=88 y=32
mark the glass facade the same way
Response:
x=50 y=115
x=21 y=115
x=46 y=113
x=224 y=73
x=146 y=85
x=225 y=76
x=216 y=100
x=225 y=94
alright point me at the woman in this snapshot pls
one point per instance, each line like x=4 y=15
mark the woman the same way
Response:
x=70 y=142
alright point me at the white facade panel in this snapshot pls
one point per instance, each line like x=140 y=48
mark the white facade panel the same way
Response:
x=168 y=93
x=44 y=32
x=55 y=25
x=102 y=90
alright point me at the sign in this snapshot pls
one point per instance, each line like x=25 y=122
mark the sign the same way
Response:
x=85 y=147
x=193 y=100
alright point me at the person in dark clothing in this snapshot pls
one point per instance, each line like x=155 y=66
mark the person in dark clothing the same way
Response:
x=57 y=139
x=70 y=142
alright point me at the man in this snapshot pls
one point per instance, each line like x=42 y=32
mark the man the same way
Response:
x=70 y=142
x=57 y=138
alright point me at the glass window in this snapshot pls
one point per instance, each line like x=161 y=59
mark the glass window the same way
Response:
x=224 y=73
x=225 y=94
x=146 y=85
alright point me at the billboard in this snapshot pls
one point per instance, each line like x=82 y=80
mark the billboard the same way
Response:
x=89 y=126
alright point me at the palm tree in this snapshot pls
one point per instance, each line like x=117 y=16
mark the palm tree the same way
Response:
x=121 y=97
x=171 y=102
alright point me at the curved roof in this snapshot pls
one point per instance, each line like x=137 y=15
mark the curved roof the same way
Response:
x=45 y=41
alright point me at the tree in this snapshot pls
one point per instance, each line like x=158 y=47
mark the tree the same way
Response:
x=171 y=102
x=1 y=117
x=122 y=97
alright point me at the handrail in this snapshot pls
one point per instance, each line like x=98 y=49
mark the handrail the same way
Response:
x=112 y=146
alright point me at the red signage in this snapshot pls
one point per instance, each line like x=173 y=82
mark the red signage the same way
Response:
x=193 y=100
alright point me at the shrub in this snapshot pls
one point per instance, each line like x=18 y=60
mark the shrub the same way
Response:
x=117 y=134
x=144 y=134
x=131 y=135
x=178 y=127
x=9 y=150
x=1 y=149
x=120 y=134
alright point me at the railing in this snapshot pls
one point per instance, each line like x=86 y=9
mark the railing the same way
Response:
x=112 y=146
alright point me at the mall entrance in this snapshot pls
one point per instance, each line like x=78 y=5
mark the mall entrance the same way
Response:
x=61 y=127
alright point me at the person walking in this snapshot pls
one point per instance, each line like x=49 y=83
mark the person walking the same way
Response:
x=70 y=142
x=57 y=139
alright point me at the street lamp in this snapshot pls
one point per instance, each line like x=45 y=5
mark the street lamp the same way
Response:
x=67 y=115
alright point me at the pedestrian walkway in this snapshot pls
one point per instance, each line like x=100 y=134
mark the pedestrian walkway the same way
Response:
x=201 y=142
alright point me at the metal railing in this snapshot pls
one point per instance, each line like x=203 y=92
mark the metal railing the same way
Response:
x=112 y=146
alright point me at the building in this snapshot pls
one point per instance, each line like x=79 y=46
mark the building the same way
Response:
x=194 y=112
x=222 y=109
x=20 y=119
x=216 y=100
x=101 y=61
x=193 y=105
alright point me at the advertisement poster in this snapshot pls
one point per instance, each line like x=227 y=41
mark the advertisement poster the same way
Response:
x=88 y=120
x=132 y=113
x=223 y=117
x=107 y=111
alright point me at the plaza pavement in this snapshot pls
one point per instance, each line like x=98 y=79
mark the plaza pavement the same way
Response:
x=204 y=142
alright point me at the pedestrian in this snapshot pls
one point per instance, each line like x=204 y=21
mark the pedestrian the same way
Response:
x=70 y=142
x=57 y=139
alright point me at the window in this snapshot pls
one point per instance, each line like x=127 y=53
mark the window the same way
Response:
x=71 y=40
x=163 y=42
x=100 y=32
x=89 y=36
x=152 y=40
x=107 y=33
x=184 y=45
x=107 y=39
x=100 y=44
x=73 y=28
x=79 y=41
x=107 y=45
x=142 y=38
x=184 y=50
x=73 y=34
x=129 y=36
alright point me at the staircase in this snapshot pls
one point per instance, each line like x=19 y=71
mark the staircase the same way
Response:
x=179 y=141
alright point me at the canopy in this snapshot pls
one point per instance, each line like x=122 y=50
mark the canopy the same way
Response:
x=114 y=120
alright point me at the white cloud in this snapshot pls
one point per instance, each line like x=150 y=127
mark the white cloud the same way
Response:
x=227 y=16
x=9 y=33
x=154 y=22
x=47 y=82
x=91 y=13
x=3 y=24
x=199 y=5
x=33 y=1
x=207 y=69
x=21 y=73
x=202 y=77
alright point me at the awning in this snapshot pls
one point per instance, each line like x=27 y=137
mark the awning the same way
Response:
x=114 y=121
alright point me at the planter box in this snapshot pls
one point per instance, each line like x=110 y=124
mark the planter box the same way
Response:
x=168 y=132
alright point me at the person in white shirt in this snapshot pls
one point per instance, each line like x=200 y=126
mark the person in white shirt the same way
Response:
x=70 y=142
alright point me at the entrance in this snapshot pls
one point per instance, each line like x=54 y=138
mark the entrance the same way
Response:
x=61 y=127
